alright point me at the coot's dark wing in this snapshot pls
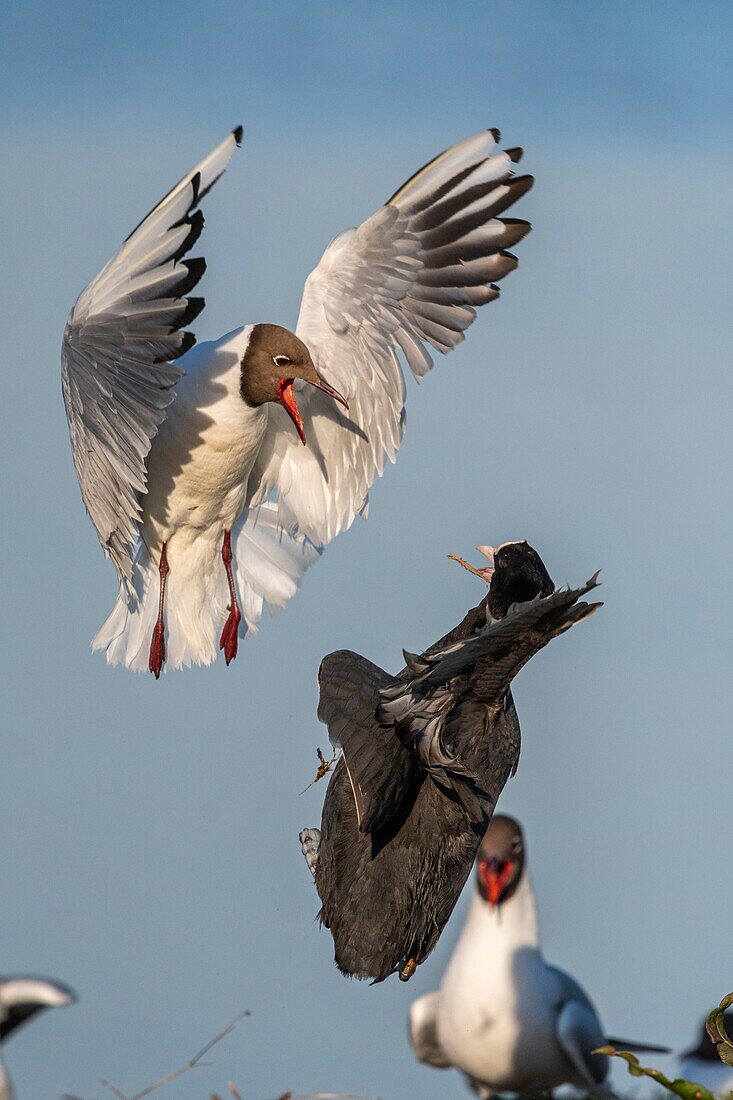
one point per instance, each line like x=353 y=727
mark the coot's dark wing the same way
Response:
x=482 y=665
x=380 y=768
x=507 y=645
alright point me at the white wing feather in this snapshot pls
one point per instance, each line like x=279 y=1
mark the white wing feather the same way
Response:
x=411 y=275
x=117 y=374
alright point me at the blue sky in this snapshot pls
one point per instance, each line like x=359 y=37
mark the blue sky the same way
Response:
x=149 y=831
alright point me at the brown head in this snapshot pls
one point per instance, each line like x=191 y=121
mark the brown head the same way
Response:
x=500 y=860
x=273 y=359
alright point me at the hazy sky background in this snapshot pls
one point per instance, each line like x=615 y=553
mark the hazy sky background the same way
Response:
x=149 y=831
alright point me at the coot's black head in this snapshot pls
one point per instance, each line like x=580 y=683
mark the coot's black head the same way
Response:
x=519 y=575
x=500 y=860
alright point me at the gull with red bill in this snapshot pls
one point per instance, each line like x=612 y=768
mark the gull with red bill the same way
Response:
x=504 y=1017
x=215 y=474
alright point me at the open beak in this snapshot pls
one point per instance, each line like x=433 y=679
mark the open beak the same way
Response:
x=495 y=875
x=286 y=396
x=488 y=552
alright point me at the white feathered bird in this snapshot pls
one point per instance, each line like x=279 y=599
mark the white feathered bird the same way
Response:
x=192 y=474
x=22 y=997
x=503 y=1016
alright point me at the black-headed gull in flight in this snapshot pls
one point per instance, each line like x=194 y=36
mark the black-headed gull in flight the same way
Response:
x=22 y=997
x=191 y=459
x=426 y=754
x=503 y=1016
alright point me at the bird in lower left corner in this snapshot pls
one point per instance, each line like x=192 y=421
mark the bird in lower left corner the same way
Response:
x=504 y=1017
x=21 y=998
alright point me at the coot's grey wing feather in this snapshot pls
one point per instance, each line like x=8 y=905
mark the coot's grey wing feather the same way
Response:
x=516 y=638
x=380 y=768
x=119 y=344
x=483 y=663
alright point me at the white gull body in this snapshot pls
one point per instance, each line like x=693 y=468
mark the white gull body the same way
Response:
x=503 y=1016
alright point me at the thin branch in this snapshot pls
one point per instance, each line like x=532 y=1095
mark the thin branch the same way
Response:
x=191 y=1064
x=482 y=573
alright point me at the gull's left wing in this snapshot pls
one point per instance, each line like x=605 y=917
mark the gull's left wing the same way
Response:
x=409 y=277
x=116 y=359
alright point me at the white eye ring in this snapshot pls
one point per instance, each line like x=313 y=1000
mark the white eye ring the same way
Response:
x=281 y=360
x=516 y=845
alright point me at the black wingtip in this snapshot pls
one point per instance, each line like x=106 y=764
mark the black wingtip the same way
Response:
x=188 y=339
x=515 y=154
x=196 y=185
x=196 y=221
x=191 y=312
x=238 y=134
x=496 y=132
x=196 y=268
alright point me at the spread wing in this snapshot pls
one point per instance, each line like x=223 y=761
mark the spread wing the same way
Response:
x=120 y=341
x=484 y=664
x=409 y=278
x=381 y=769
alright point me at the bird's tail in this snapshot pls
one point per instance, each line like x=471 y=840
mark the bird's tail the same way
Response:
x=637 y=1048
x=269 y=564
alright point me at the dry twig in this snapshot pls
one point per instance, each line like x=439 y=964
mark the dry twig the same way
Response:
x=471 y=568
x=191 y=1064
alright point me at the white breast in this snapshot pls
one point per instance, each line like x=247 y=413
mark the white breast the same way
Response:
x=496 y=1018
x=202 y=456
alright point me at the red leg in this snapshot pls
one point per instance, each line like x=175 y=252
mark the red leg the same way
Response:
x=157 y=643
x=228 y=640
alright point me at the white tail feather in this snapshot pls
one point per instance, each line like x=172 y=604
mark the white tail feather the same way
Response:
x=310 y=842
x=269 y=565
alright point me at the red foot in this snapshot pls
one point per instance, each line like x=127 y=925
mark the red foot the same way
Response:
x=157 y=650
x=229 y=641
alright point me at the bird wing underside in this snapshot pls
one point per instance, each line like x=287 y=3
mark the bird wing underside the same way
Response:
x=117 y=368
x=482 y=665
x=380 y=768
x=505 y=647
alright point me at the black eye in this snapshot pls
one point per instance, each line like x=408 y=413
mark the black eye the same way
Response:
x=516 y=845
x=281 y=360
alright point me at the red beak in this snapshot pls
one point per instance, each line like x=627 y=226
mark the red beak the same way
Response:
x=286 y=395
x=495 y=875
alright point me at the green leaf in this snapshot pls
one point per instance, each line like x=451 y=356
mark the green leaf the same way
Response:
x=688 y=1090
